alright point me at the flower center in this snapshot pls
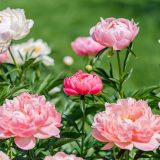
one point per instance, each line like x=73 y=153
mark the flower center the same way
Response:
x=128 y=120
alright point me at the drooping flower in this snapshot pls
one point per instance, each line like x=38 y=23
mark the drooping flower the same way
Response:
x=115 y=33
x=68 y=60
x=82 y=84
x=31 y=49
x=84 y=46
x=27 y=117
x=127 y=124
x=13 y=25
x=3 y=156
x=62 y=156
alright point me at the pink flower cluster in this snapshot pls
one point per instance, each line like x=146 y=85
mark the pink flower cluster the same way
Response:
x=115 y=33
x=27 y=117
x=62 y=156
x=127 y=124
x=84 y=46
x=82 y=84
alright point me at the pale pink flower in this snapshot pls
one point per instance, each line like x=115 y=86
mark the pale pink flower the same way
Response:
x=84 y=46
x=3 y=57
x=27 y=117
x=3 y=156
x=62 y=156
x=82 y=83
x=116 y=33
x=127 y=124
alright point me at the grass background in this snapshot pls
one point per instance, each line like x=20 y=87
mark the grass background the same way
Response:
x=60 y=21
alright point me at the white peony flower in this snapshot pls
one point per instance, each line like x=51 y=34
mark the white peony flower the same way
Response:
x=68 y=60
x=13 y=25
x=31 y=49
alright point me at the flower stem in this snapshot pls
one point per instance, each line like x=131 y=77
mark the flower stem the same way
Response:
x=120 y=75
x=138 y=154
x=14 y=61
x=127 y=154
x=120 y=154
x=83 y=124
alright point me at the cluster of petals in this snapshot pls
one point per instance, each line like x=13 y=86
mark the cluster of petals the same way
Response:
x=31 y=49
x=13 y=25
x=3 y=156
x=28 y=117
x=115 y=33
x=62 y=156
x=82 y=84
x=84 y=46
x=127 y=124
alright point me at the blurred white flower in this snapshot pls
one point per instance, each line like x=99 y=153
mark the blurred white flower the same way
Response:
x=159 y=41
x=48 y=61
x=3 y=156
x=13 y=25
x=55 y=90
x=68 y=60
x=31 y=49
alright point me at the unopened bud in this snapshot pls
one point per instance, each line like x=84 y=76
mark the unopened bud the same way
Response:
x=89 y=68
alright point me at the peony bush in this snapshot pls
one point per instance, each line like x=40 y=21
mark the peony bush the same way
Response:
x=87 y=115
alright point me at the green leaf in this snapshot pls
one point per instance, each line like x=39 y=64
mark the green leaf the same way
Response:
x=66 y=137
x=43 y=84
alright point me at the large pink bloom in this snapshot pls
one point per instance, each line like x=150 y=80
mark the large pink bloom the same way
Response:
x=3 y=57
x=62 y=156
x=84 y=46
x=82 y=83
x=127 y=124
x=116 y=33
x=3 y=156
x=27 y=117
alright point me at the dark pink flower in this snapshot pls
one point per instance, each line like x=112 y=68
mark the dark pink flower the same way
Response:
x=82 y=83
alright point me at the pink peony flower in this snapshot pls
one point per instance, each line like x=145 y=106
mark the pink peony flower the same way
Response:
x=116 y=33
x=127 y=124
x=62 y=156
x=3 y=156
x=82 y=83
x=3 y=57
x=84 y=46
x=27 y=117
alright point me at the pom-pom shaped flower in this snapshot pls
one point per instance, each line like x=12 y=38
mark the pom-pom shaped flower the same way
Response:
x=3 y=156
x=62 y=156
x=82 y=84
x=84 y=46
x=127 y=124
x=31 y=49
x=115 y=33
x=27 y=117
x=13 y=25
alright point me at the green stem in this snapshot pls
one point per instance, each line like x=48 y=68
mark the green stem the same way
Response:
x=14 y=61
x=138 y=154
x=120 y=154
x=127 y=154
x=120 y=75
x=83 y=124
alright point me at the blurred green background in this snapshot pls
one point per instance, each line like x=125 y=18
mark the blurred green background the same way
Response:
x=60 y=21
